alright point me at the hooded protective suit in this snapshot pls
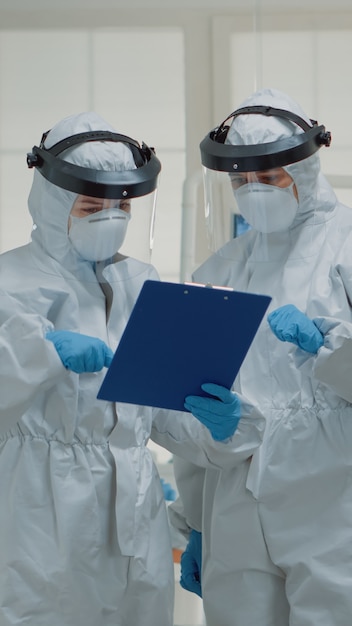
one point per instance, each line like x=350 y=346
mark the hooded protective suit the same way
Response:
x=84 y=536
x=277 y=547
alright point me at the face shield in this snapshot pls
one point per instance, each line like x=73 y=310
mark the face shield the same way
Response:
x=249 y=185
x=93 y=198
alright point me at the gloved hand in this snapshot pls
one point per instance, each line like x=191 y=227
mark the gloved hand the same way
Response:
x=80 y=353
x=169 y=491
x=289 y=324
x=191 y=564
x=220 y=414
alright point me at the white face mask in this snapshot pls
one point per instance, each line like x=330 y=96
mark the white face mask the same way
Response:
x=99 y=236
x=266 y=208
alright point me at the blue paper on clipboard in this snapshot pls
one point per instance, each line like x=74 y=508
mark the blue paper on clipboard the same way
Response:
x=179 y=336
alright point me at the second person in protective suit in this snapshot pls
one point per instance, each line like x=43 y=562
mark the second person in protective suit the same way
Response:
x=270 y=538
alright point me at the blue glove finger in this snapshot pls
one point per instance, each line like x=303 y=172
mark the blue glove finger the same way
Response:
x=220 y=430
x=190 y=583
x=189 y=567
x=169 y=491
x=191 y=564
x=284 y=322
x=220 y=417
x=195 y=546
x=109 y=355
x=289 y=324
x=212 y=404
x=208 y=406
x=209 y=417
x=89 y=355
x=310 y=338
x=80 y=353
x=219 y=391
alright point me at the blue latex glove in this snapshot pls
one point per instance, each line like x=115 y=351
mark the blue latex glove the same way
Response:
x=191 y=564
x=220 y=414
x=289 y=324
x=80 y=353
x=169 y=491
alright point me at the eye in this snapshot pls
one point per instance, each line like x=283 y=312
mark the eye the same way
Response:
x=125 y=205
x=237 y=180
x=90 y=210
x=272 y=179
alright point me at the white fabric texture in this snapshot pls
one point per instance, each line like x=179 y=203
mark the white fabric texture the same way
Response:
x=50 y=211
x=277 y=528
x=84 y=535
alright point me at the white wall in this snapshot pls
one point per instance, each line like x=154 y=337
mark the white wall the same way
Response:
x=166 y=72
x=117 y=72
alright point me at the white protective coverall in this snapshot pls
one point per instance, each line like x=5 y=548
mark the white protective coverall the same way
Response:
x=84 y=535
x=15 y=321
x=277 y=529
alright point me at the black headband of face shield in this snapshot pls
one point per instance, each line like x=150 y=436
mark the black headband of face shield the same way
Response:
x=97 y=183
x=216 y=155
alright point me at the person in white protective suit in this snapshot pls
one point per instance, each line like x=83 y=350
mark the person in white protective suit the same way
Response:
x=84 y=534
x=273 y=533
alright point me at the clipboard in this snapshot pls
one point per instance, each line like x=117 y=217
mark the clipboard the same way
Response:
x=178 y=337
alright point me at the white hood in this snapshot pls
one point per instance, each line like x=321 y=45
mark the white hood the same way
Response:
x=50 y=205
x=316 y=196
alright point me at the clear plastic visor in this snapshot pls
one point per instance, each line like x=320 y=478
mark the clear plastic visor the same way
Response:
x=238 y=201
x=101 y=229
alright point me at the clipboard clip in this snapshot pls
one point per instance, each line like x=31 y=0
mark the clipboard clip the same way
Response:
x=209 y=286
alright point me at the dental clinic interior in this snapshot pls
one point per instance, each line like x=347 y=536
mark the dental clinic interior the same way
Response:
x=166 y=72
